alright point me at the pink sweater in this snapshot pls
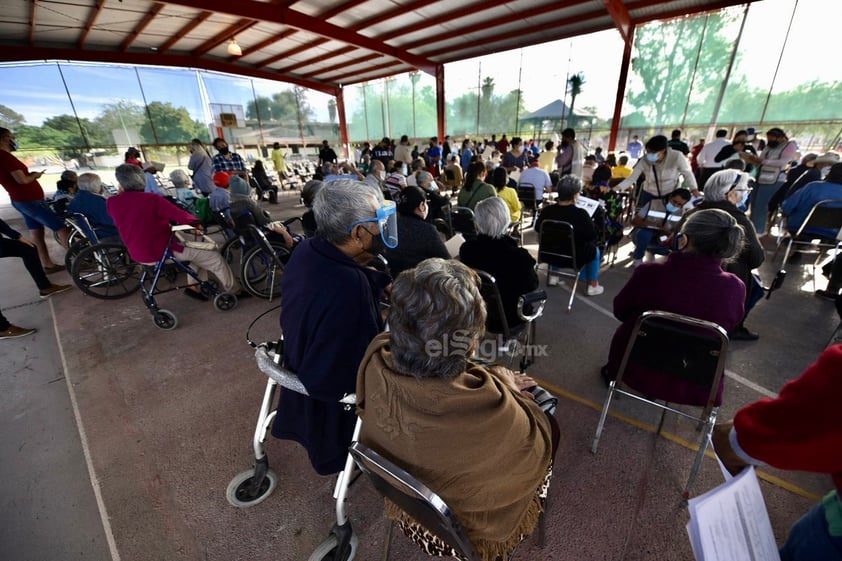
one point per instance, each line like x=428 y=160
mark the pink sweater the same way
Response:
x=143 y=220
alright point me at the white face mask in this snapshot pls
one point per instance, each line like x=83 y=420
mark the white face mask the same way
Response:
x=381 y=175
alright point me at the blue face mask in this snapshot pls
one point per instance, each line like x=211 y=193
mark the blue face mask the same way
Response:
x=671 y=208
x=674 y=245
x=651 y=158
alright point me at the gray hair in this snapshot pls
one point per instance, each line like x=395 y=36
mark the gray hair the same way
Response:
x=714 y=233
x=720 y=183
x=490 y=166
x=179 y=178
x=436 y=316
x=423 y=177
x=130 y=177
x=91 y=183
x=568 y=187
x=492 y=217
x=340 y=203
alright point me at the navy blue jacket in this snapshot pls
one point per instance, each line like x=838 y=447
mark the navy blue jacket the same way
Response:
x=9 y=232
x=329 y=314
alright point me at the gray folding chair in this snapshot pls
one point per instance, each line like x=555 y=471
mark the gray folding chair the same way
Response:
x=824 y=214
x=683 y=348
x=414 y=498
x=557 y=247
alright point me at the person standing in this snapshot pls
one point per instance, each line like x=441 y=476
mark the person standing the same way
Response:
x=403 y=153
x=201 y=164
x=706 y=159
x=771 y=162
x=27 y=197
x=634 y=148
x=279 y=160
x=327 y=155
x=677 y=144
x=662 y=167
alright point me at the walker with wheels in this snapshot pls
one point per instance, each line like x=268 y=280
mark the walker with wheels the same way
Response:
x=169 y=267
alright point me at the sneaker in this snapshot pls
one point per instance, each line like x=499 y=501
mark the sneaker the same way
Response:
x=552 y=280
x=637 y=262
x=743 y=334
x=595 y=290
x=15 y=331
x=55 y=289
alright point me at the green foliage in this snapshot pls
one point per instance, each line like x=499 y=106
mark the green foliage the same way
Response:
x=282 y=107
x=9 y=118
x=172 y=125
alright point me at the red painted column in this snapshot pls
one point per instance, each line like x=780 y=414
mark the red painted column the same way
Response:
x=621 y=89
x=441 y=111
x=343 y=124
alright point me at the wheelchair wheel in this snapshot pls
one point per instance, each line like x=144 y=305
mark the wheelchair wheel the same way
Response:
x=106 y=271
x=209 y=288
x=326 y=551
x=225 y=301
x=73 y=252
x=238 y=493
x=165 y=319
x=262 y=271
x=232 y=252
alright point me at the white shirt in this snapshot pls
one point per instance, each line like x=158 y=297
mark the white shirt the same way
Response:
x=705 y=159
x=538 y=178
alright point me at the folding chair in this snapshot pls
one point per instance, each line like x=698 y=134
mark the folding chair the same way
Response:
x=557 y=247
x=526 y=195
x=414 y=498
x=824 y=214
x=683 y=348
x=520 y=337
x=462 y=221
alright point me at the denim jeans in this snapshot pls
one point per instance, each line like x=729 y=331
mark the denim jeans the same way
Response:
x=809 y=539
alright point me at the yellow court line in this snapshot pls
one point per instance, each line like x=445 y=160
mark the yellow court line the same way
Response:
x=769 y=478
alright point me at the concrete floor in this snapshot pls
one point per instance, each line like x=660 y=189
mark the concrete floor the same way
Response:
x=119 y=439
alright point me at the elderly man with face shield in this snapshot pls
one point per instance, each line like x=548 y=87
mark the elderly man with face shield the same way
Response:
x=662 y=168
x=330 y=303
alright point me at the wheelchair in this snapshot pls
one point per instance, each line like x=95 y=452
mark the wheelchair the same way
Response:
x=101 y=269
x=253 y=486
x=168 y=268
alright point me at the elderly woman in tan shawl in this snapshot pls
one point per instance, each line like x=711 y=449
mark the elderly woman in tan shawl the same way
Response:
x=448 y=421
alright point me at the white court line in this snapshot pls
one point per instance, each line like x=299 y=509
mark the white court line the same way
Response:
x=733 y=375
x=103 y=514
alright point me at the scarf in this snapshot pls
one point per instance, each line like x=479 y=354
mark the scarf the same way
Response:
x=479 y=444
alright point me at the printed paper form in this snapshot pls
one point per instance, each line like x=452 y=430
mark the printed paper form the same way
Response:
x=730 y=522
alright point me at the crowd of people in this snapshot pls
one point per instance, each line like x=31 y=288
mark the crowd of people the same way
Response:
x=704 y=209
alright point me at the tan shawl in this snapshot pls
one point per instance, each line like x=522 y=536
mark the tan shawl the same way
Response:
x=482 y=446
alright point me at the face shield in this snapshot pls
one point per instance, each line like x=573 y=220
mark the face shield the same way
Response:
x=387 y=220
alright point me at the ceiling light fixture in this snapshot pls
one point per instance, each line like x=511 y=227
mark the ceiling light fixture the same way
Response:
x=233 y=48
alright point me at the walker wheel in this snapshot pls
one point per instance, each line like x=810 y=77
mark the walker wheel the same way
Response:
x=165 y=319
x=238 y=494
x=209 y=288
x=225 y=302
x=326 y=551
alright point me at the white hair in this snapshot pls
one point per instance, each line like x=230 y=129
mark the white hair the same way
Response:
x=179 y=178
x=340 y=203
x=492 y=217
x=720 y=183
x=90 y=182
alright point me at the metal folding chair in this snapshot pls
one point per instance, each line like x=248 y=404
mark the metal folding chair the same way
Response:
x=824 y=214
x=557 y=248
x=683 y=348
x=526 y=195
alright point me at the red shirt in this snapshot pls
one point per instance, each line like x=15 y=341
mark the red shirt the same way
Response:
x=18 y=192
x=143 y=220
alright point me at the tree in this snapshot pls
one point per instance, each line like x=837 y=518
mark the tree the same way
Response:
x=172 y=125
x=281 y=107
x=9 y=118
x=331 y=110
x=123 y=116
x=574 y=86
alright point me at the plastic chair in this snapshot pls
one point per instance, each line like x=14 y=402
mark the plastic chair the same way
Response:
x=824 y=214
x=414 y=498
x=557 y=247
x=517 y=339
x=683 y=348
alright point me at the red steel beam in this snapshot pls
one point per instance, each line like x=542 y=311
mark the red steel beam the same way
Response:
x=621 y=90
x=270 y=13
x=181 y=33
x=224 y=36
x=346 y=64
x=441 y=108
x=678 y=12
x=343 y=124
x=265 y=43
x=147 y=19
x=89 y=24
x=159 y=59
x=32 y=23
x=621 y=17
x=316 y=60
x=292 y=52
x=338 y=77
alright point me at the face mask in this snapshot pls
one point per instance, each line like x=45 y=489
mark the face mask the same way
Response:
x=671 y=208
x=381 y=175
x=223 y=151
x=651 y=158
x=13 y=145
x=743 y=199
x=677 y=238
x=773 y=143
x=377 y=246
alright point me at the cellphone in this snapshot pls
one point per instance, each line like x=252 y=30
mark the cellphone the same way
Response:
x=664 y=239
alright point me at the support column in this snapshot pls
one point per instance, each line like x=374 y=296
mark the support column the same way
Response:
x=343 y=124
x=621 y=88
x=441 y=111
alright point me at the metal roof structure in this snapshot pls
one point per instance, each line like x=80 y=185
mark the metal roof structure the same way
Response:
x=319 y=44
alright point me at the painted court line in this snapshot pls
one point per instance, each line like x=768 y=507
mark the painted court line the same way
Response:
x=103 y=513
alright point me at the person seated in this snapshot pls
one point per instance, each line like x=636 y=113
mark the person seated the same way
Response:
x=797 y=207
x=610 y=214
x=622 y=169
x=394 y=183
x=453 y=173
x=655 y=223
x=500 y=180
x=265 y=186
x=220 y=198
x=499 y=255
x=538 y=178
x=330 y=303
x=308 y=195
x=437 y=203
x=144 y=222
x=588 y=256
x=588 y=168
x=66 y=186
x=242 y=204
x=692 y=283
x=727 y=190
x=419 y=239
x=183 y=193
x=152 y=185
x=90 y=201
x=417 y=404
x=796 y=431
x=475 y=189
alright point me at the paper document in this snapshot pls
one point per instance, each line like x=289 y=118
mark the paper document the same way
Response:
x=590 y=205
x=730 y=522
x=453 y=245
